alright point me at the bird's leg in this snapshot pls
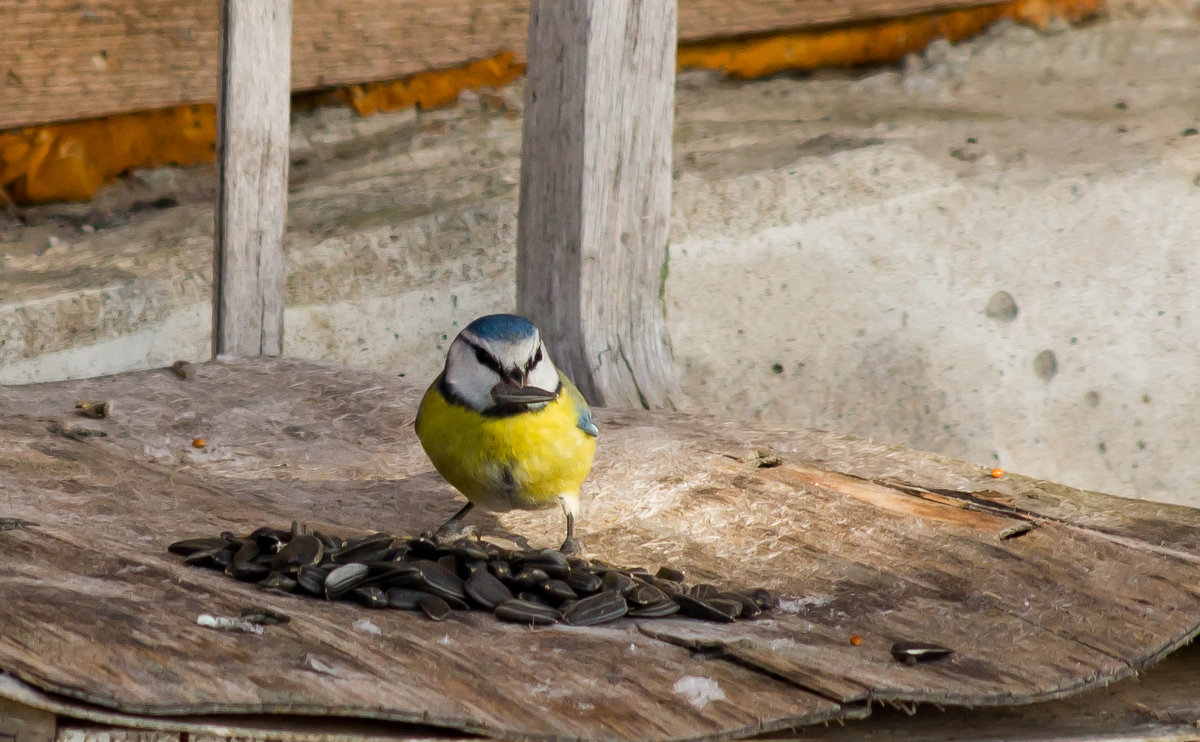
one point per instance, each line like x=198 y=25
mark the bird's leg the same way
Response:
x=453 y=528
x=572 y=546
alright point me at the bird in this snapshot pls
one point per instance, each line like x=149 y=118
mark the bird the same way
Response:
x=505 y=427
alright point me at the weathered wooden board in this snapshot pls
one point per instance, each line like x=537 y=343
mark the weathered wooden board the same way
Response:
x=253 y=126
x=858 y=538
x=595 y=196
x=62 y=59
x=1160 y=704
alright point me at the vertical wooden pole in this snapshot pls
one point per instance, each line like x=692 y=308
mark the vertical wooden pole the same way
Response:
x=252 y=165
x=596 y=190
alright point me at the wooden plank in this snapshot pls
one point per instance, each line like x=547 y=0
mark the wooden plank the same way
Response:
x=596 y=193
x=97 y=613
x=252 y=167
x=20 y=722
x=63 y=60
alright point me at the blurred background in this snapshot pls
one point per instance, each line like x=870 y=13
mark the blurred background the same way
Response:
x=964 y=227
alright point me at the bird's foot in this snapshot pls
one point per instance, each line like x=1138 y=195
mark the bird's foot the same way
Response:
x=571 y=547
x=451 y=532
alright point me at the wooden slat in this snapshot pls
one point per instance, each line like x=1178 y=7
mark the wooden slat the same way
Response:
x=20 y=722
x=252 y=167
x=66 y=60
x=596 y=193
x=97 y=612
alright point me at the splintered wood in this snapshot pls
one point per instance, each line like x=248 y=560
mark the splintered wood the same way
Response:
x=1039 y=590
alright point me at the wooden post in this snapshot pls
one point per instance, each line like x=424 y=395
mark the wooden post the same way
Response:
x=252 y=165
x=596 y=190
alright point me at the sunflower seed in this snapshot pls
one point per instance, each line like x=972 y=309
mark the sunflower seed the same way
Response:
x=731 y=608
x=502 y=569
x=344 y=579
x=371 y=597
x=914 y=652
x=524 y=611
x=552 y=562
x=654 y=610
x=311 y=579
x=645 y=595
x=750 y=609
x=597 y=609
x=698 y=608
x=530 y=577
x=614 y=580
x=405 y=599
x=302 y=549
x=434 y=607
x=486 y=590
x=385 y=575
x=763 y=599
x=584 y=583
x=558 y=590
x=269 y=540
x=439 y=580
x=669 y=573
x=278 y=581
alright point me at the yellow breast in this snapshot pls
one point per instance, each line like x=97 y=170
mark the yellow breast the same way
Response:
x=526 y=460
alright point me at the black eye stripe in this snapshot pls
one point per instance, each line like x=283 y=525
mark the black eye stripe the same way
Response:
x=537 y=358
x=486 y=359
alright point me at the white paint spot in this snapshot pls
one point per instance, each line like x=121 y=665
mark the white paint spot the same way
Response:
x=445 y=640
x=367 y=627
x=317 y=665
x=228 y=623
x=698 y=691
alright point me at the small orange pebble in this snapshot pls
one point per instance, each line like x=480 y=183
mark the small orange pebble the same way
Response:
x=199 y=442
x=855 y=640
x=997 y=473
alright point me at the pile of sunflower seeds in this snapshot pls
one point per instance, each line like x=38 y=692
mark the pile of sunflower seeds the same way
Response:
x=536 y=587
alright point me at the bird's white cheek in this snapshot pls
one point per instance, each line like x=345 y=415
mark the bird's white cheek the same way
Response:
x=543 y=376
x=470 y=380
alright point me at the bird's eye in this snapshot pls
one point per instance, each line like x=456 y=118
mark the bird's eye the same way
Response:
x=486 y=360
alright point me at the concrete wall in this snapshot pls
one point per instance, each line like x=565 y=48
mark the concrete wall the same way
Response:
x=837 y=242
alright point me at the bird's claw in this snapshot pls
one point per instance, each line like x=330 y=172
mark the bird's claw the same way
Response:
x=571 y=547
x=451 y=532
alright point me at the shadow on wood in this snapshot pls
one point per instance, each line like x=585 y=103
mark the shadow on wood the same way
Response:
x=1041 y=590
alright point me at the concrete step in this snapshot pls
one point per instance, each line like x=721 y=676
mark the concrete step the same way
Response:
x=837 y=239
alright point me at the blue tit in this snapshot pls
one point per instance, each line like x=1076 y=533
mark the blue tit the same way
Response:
x=504 y=426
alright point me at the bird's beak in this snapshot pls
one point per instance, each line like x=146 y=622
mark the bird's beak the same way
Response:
x=504 y=393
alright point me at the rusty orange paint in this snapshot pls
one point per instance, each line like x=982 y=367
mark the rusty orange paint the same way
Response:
x=71 y=161
x=431 y=89
x=868 y=43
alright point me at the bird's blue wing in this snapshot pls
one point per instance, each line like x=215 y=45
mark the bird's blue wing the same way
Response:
x=585 y=421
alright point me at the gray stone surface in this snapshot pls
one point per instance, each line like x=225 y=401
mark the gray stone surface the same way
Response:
x=987 y=251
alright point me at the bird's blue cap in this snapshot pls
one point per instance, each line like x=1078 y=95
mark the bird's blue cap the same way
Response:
x=502 y=327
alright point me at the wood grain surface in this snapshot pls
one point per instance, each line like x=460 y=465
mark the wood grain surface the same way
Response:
x=253 y=120
x=1041 y=590
x=595 y=195
x=63 y=59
